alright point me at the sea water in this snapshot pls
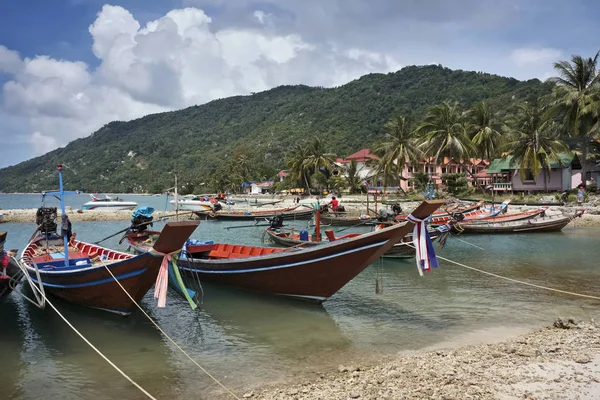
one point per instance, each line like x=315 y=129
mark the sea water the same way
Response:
x=246 y=340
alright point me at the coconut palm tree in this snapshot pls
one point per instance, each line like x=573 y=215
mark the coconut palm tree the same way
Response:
x=398 y=148
x=445 y=133
x=297 y=164
x=485 y=130
x=306 y=160
x=575 y=99
x=535 y=141
x=352 y=177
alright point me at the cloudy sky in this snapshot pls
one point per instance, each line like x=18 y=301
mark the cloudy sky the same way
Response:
x=67 y=67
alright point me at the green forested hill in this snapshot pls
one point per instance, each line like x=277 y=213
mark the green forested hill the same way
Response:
x=144 y=154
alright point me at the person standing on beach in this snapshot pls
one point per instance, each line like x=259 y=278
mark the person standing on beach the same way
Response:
x=580 y=193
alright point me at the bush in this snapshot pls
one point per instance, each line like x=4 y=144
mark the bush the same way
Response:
x=456 y=183
x=593 y=188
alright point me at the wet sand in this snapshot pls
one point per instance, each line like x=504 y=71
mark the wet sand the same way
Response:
x=561 y=361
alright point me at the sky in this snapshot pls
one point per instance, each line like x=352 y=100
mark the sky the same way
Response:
x=68 y=67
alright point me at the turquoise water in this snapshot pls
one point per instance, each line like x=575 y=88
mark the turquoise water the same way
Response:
x=15 y=201
x=246 y=340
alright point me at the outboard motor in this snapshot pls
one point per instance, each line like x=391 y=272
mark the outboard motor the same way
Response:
x=277 y=222
x=383 y=216
x=141 y=219
x=457 y=216
x=217 y=207
x=341 y=209
x=324 y=208
x=46 y=220
x=397 y=209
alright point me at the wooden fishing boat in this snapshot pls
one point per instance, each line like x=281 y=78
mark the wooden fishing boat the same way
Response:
x=540 y=224
x=297 y=212
x=94 y=276
x=403 y=248
x=311 y=274
x=469 y=215
x=10 y=274
x=512 y=217
x=83 y=277
x=342 y=220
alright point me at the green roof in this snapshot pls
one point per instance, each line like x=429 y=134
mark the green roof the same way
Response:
x=500 y=165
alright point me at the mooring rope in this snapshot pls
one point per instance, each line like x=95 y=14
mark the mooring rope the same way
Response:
x=169 y=337
x=516 y=280
x=137 y=385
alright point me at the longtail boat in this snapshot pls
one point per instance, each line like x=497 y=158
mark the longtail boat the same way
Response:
x=469 y=215
x=297 y=212
x=311 y=274
x=541 y=224
x=292 y=239
x=89 y=275
x=10 y=274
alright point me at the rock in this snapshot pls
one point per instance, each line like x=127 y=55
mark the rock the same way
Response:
x=354 y=395
x=293 y=392
x=510 y=349
x=583 y=359
x=342 y=368
x=569 y=323
x=394 y=374
x=248 y=395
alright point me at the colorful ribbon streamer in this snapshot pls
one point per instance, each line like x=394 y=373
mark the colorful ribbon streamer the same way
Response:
x=425 y=254
x=162 y=280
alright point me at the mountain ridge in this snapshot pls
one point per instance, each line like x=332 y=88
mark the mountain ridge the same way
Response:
x=194 y=142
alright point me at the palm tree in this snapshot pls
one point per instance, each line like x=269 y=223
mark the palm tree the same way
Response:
x=575 y=99
x=399 y=148
x=297 y=164
x=445 y=134
x=536 y=141
x=306 y=160
x=485 y=130
x=353 y=178
x=317 y=160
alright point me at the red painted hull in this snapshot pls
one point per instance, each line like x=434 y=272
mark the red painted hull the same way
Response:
x=287 y=213
x=312 y=274
x=91 y=284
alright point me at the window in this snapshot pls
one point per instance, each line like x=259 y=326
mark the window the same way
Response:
x=443 y=170
x=529 y=176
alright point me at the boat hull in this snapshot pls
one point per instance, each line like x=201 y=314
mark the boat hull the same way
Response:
x=13 y=273
x=524 y=226
x=287 y=214
x=93 y=285
x=312 y=274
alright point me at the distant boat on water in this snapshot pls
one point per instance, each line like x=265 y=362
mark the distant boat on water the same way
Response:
x=104 y=202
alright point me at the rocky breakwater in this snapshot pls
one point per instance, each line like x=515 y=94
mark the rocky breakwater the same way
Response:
x=561 y=361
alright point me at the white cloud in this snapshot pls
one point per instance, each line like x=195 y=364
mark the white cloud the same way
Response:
x=175 y=61
x=535 y=56
x=9 y=60
x=42 y=144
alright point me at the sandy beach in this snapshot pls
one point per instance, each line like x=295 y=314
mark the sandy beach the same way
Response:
x=561 y=361
x=354 y=205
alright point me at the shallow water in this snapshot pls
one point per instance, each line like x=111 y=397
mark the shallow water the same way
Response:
x=246 y=340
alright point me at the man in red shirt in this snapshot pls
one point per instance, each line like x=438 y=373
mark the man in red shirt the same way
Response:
x=334 y=203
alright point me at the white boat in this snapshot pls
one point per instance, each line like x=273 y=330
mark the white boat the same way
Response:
x=104 y=202
x=194 y=203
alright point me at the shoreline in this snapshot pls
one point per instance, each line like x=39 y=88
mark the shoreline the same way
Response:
x=355 y=206
x=561 y=361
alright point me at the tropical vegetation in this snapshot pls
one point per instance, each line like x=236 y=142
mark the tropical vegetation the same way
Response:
x=428 y=111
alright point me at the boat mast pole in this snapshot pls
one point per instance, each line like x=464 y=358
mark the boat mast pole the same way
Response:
x=176 y=201
x=318 y=222
x=62 y=208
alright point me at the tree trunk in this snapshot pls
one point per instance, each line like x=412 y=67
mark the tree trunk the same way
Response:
x=545 y=179
x=584 y=152
x=307 y=185
x=464 y=167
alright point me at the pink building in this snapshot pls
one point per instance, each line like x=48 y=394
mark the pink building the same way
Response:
x=364 y=159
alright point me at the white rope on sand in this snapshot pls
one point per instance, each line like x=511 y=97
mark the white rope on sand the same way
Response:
x=170 y=339
x=94 y=347
x=516 y=280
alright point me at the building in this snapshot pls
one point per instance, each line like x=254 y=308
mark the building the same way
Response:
x=564 y=174
x=366 y=170
x=260 y=187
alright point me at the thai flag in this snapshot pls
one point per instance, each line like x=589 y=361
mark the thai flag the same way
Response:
x=489 y=187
